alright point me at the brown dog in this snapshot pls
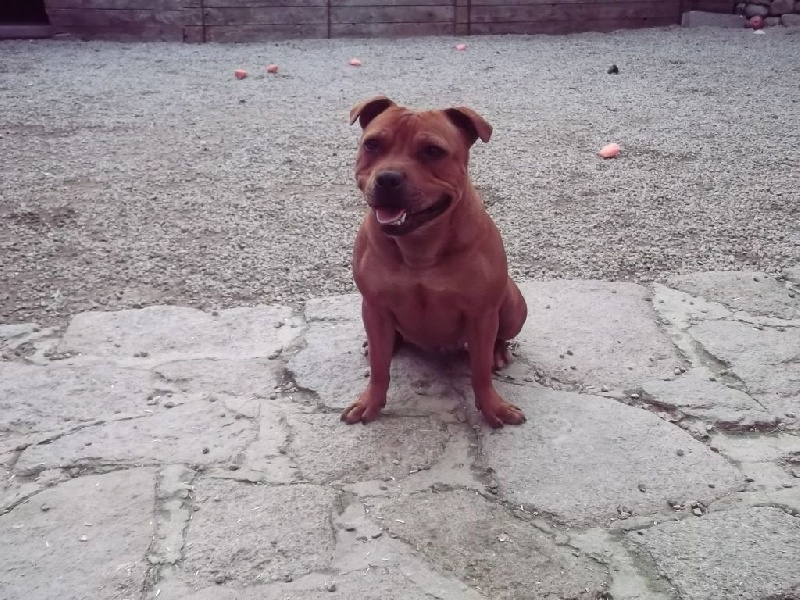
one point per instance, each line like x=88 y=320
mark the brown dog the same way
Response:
x=428 y=259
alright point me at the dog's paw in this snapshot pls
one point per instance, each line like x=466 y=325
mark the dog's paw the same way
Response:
x=362 y=410
x=497 y=412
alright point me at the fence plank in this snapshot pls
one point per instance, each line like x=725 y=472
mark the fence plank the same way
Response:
x=392 y=14
x=262 y=33
x=390 y=30
x=261 y=3
x=280 y=15
x=562 y=27
x=110 y=19
x=335 y=3
x=576 y=13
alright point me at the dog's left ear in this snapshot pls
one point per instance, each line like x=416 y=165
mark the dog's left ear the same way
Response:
x=369 y=109
x=471 y=123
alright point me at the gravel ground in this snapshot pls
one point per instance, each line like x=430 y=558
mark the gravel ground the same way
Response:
x=141 y=174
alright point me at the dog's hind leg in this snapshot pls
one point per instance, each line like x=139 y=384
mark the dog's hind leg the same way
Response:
x=513 y=313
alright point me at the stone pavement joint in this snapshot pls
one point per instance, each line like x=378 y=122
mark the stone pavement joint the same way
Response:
x=169 y=453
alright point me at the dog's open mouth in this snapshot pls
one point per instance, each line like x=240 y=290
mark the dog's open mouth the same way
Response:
x=400 y=221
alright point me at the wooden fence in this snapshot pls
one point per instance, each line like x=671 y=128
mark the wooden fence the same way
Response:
x=258 y=20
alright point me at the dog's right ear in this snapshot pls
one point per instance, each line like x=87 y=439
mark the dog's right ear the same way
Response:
x=369 y=109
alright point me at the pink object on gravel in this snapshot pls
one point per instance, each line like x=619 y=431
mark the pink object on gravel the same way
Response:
x=609 y=151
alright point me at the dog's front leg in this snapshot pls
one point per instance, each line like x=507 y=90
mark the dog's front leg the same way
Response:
x=381 y=335
x=481 y=338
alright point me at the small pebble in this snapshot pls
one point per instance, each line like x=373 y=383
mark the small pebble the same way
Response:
x=569 y=352
x=698 y=512
x=642 y=487
x=83 y=538
x=791 y=415
x=366 y=372
x=219 y=579
x=278 y=325
x=206 y=450
x=376 y=535
x=547 y=306
x=788 y=485
x=288 y=578
x=749 y=479
x=679 y=452
x=613 y=70
x=331 y=587
x=169 y=404
x=603 y=388
x=712 y=485
x=233 y=467
x=677 y=371
x=573 y=367
x=634 y=396
x=45 y=508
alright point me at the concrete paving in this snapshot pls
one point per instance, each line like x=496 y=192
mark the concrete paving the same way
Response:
x=174 y=454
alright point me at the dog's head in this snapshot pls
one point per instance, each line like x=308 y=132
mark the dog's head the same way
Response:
x=412 y=166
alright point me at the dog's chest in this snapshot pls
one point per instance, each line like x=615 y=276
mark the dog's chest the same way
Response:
x=430 y=317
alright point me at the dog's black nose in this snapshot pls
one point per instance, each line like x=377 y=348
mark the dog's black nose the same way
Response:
x=389 y=180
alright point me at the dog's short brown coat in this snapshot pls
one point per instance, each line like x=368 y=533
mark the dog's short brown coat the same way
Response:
x=437 y=275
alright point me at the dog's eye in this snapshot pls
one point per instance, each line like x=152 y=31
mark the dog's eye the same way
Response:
x=432 y=152
x=371 y=145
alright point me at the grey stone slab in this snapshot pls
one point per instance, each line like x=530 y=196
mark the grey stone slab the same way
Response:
x=248 y=534
x=699 y=18
x=333 y=365
x=769 y=460
x=248 y=378
x=790 y=20
x=159 y=334
x=767 y=360
x=90 y=542
x=266 y=459
x=752 y=292
x=346 y=307
x=380 y=583
x=325 y=450
x=174 y=486
x=198 y=432
x=484 y=545
x=35 y=399
x=695 y=394
x=593 y=333
x=581 y=457
x=747 y=554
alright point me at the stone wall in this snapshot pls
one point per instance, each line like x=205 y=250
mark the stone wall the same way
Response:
x=774 y=12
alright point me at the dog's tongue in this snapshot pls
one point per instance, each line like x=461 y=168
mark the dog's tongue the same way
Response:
x=388 y=215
